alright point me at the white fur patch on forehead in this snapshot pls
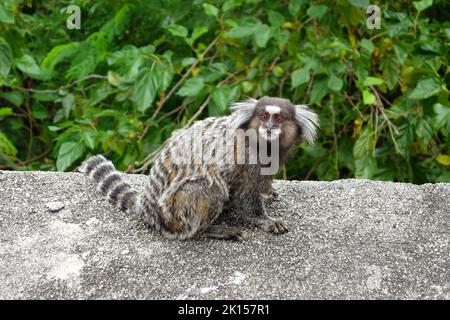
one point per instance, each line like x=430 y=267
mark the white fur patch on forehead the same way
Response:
x=273 y=109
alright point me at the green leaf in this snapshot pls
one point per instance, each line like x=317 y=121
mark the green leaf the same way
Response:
x=391 y=72
x=6 y=11
x=117 y=24
x=404 y=138
x=87 y=140
x=442 y=115
x=444 y=177
x=372 y=81
x=39 y=111
x=247 y=86
x=276 y=19
x=6 y=145
x=400 y=53
x=426 y=88
x=146 y=87
x=367 y=45
x=262 y=35
x=365 y=163
x=422 y=5
x=68 y=153
x=365 y=143
x=197 y=33
x=115 y=79
x=54 y=128
x=177 y=30
x=281 y=37
x=5 y=57
x=192 y=87
x=68 y=103
x=28 y=65
x=278 y=71
x=210 y=10
x=45 y=96
x=319 y=90
x=335 y=84
x=300 y=76
x=55 y=56
x=5 y=112
x=424 y=130
x=368 y=97
x=443 y=159
x=241 y=31
x=166 y=79
x=365 y=167
x=294 y=6
x=15 y=97
x=84 y=62
x=317 y=11
x=222 y=97
x=188 y=61
x=363 y=4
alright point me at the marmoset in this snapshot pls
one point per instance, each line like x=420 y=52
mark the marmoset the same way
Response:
x=217 y=163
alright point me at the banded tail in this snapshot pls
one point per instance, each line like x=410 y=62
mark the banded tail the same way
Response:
x=110 y=182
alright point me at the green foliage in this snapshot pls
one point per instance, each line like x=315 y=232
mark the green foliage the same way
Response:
x=138 y=70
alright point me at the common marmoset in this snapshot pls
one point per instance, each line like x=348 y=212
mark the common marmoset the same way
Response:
x=217 y=163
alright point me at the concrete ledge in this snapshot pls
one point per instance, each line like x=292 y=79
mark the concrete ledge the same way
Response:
x=347 y=239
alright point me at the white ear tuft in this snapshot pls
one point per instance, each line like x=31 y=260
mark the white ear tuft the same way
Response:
x=242 y=112
x=308 y=121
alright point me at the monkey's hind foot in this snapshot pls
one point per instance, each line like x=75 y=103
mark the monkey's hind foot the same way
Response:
x=270 y=197
x=225 y=233
x=273 y=225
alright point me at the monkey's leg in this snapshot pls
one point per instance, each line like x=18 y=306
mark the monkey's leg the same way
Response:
x=225 y=233
x=266 y=189
x=190 y=211
x=252 y=208
x=270 y=196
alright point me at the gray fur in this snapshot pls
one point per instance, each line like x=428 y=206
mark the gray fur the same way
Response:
x=308 y=121
x=182 y=200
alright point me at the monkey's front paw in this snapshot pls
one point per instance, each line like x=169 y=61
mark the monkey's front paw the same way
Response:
x=275 y=226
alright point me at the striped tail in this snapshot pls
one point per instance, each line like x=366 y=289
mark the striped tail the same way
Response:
x=110 y=182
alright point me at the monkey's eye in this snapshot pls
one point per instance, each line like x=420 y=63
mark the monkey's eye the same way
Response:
x=264 y=116
x=278 y=118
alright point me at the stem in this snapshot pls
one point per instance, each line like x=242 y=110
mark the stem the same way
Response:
x=92 y=76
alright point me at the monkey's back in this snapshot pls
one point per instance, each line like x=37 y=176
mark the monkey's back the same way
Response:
x=184 y=157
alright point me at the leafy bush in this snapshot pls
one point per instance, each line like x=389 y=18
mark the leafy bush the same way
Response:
x=137 y=70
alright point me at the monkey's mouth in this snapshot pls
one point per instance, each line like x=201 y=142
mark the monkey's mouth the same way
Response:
x=269 y=134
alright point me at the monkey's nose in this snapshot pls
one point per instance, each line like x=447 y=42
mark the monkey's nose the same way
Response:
x=269 y=128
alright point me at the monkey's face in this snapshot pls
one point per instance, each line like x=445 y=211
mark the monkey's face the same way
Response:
x=274 y=120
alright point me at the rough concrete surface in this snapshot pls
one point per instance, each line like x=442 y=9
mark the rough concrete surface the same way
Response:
x=348 y=239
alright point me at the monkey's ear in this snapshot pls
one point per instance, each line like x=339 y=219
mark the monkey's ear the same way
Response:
x=242 y=112
x=308 y=122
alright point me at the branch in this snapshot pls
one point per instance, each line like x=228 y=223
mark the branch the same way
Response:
x=92 y=76
x=199 y=111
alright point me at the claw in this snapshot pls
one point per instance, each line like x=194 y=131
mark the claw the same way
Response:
x=275 y=226
x=272 y=196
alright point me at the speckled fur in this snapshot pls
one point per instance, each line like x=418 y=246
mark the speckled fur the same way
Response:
x=182 y=200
